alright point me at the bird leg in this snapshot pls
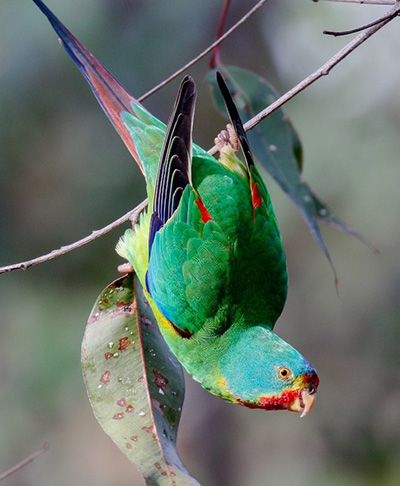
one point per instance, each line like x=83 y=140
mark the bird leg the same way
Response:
x=227 y=140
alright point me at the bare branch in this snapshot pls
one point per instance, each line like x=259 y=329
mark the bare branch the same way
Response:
x=370 y=2
x=388 y=16
x=322 y=71
x=24 y=462
x=205 y=52
x=131 y=215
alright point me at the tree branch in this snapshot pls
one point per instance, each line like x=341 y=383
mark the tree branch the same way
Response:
x=131 y=215
x=322 y=71
x=205 y=52
x=387 y=16
x=370 y=2
x=24 y=462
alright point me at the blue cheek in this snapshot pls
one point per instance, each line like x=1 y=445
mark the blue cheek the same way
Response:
x=251 y=365
x=246 y=379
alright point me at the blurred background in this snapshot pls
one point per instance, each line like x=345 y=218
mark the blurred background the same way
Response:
x=64 y=172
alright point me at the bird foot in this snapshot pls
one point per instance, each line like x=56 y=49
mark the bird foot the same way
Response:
x=227 y=140
x=125 y=268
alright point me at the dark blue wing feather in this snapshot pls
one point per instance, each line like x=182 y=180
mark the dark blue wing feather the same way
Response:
x=175 y=163
x=235 y=120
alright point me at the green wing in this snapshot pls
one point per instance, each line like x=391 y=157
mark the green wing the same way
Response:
x=216 y=254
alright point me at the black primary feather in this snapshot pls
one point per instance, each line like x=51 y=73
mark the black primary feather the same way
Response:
x=235 y=120
x=174 y=171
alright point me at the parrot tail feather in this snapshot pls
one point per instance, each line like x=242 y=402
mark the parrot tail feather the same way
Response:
x=112 y=96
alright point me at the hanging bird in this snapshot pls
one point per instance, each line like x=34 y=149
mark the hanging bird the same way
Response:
x=208 y=250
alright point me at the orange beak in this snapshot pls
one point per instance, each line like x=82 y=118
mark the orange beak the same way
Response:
x=305 y=401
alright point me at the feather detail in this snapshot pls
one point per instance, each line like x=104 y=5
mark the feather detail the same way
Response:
x=205 y=215
x=176 y=158
x=236 y=121
x=112 y=96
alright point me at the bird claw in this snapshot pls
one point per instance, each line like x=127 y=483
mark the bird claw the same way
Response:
x=227 y=140
x=125 y=268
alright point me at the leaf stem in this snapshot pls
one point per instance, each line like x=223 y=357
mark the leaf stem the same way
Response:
x=216 y=57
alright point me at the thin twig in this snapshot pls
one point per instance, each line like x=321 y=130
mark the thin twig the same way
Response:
x=205 y=52
x=96 y=234
x=389 y=16
x=24 y=462
x=322 y=71
x=370 y=2
x=131 y=215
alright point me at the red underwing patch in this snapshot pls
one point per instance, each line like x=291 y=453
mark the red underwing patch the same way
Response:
x=205 y=215
x=256 y=200
x=185 y=334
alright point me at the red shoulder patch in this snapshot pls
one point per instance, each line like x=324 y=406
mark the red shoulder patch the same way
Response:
x=185 y=334
x=256 y=200
x=255 y=196
x=205 y=215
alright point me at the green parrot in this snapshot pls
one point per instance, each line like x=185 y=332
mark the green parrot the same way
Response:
x=208 y=250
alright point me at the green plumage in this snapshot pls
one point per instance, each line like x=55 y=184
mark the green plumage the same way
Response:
x=208 y=250
x=217 y=278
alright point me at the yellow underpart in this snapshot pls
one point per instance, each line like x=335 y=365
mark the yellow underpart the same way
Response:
x=134 y=246
x=164 y=324
x=229 y=160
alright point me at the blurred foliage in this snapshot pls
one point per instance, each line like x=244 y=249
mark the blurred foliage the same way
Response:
x=65 y=172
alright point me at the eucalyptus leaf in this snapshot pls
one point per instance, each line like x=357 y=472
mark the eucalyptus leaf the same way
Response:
x=135 y=385
x=276 y=146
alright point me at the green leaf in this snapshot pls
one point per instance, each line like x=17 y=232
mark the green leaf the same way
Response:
x=276 y=145
x=135 y=385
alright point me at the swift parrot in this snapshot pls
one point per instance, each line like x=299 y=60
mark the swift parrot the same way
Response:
x=208 y=250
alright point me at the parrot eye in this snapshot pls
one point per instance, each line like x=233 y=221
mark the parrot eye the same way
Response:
x=284 y=372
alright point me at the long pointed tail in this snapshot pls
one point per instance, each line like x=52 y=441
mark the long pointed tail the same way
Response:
x=112 y=96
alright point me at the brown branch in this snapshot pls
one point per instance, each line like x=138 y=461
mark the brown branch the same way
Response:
x=388 y=16
x=131 y=215
x=24 y=462
x=322 y=71
x=205 y=52
x=369 y=2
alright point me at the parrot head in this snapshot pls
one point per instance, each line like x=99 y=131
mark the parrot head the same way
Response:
x=261 y=370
